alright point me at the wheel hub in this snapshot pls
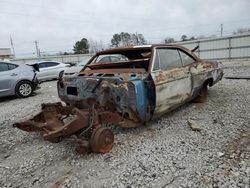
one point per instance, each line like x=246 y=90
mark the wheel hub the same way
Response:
x=25 y=89
x=102 y=140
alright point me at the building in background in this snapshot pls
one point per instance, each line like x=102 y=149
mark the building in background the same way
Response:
x=5 y=53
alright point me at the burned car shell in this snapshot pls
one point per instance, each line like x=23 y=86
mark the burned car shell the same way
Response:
x=153 y=81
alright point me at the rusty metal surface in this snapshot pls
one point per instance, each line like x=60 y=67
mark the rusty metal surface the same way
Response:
x=115 y=90
x=110 y=117
x=50 y=121
x=55 y=128
x=110 y=93
x=202 y=95
x=83 y=146
x=173 y=88
x=119 y=63
x=102 y=140
x=179 y=85
x=140 y=70
x=84 y=124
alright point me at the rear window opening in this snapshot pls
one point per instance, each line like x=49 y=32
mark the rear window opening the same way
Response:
x=122 y=59
x=72 y=91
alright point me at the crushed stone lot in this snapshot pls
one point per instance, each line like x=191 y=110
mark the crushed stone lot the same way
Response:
x=165 y=153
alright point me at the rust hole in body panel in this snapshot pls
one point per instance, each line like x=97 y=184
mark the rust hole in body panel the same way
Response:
x=72 y=91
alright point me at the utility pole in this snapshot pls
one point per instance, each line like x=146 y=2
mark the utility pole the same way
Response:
x=12 y=45
x=221 y=30
x=37 y=49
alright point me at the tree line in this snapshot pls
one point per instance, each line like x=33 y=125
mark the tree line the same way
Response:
x=85 y=46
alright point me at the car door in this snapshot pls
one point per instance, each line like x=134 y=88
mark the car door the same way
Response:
x=191 y=64
x=53 y=69
x=47 y=70
x=8 y=76
x=173 y=83
x=42 y=74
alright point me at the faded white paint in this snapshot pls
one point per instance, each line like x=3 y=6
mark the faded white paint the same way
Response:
x=173 y=88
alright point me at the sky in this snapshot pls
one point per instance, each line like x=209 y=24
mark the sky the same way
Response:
x=56 y=25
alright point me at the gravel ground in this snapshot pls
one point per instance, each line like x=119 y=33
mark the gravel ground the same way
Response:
x=165 y=153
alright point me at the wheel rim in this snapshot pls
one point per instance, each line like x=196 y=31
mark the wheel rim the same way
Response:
x=25 y=89
x=102 y=140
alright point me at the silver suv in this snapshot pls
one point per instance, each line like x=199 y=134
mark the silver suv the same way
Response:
x=17 y=79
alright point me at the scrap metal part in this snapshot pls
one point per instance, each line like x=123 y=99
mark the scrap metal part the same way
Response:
x=56 y=121
x=101 y=140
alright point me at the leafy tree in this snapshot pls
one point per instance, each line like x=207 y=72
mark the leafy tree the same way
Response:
x=183 y=37
x=201 y=37
x=66 y=53
x=81 y=47
x=168 y=40
x=213 y=36
x=140 y=39
x=127 y=39
x=192 y=38
x=241 y=31
x=115 y=41
x=95 y=46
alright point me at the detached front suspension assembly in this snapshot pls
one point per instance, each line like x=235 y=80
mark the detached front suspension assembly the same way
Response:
x=56 y=122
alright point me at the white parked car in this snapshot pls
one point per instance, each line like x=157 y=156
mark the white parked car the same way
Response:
x=51 y=70
x=74 y=70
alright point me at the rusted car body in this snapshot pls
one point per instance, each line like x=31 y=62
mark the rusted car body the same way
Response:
x=145 y=83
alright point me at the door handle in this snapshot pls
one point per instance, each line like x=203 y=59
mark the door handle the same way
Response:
x=14 y=74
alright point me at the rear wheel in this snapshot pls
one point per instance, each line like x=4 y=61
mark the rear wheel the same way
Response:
x=202 y=95
x=24 y=89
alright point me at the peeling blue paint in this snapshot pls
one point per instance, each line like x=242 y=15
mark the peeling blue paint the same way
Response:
x=141 y=98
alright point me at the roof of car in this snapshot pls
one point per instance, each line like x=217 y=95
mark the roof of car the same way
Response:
x=111 y=50
x=4 y=61
x=44 y=61
x=12 y=62
x=145 y=47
